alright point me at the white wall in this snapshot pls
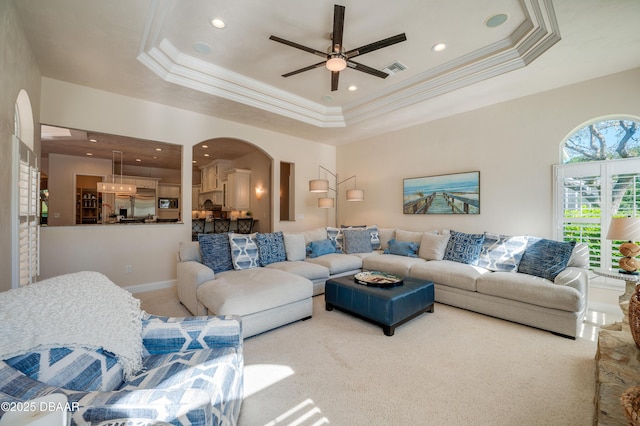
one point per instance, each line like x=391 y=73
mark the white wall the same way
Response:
x=152 y=247
x=513 y=145
x=18 y=70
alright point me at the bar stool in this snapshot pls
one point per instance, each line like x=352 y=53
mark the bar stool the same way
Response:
x=221 y=226
x=245 y=225
x=197 y=227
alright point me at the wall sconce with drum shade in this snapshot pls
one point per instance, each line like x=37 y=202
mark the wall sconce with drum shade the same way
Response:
x=113 y=187
x=322 y=186
x=259 y=192
x=626 y=228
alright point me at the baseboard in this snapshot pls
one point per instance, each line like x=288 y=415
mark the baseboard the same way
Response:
x=141 y=288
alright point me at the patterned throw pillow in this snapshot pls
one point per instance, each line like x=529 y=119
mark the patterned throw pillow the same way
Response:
x=502 y=252
x=335 y=235
x=271 y=248
x=244 y=251
x=464 y=248
x=77 y=369
x=545 y=258
x=375 y=237
x=357 y=240
x=216 y=252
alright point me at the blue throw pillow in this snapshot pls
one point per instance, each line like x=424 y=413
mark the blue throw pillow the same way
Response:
x=271 y=248
x=216 y=251
x=545 y=258
x=402 y=248
x=464 y=248
x=320 y=248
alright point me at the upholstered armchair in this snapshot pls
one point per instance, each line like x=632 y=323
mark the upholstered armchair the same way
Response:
x=190 y=372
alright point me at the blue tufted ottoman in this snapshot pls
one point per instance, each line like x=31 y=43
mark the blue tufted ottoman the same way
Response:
x=388 y=307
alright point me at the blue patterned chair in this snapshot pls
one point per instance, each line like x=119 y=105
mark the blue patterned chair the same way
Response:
x=192 y=374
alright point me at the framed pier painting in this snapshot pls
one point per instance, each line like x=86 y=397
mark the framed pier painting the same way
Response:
x=457 y=193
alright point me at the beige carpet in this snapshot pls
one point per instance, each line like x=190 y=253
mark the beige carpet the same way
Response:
x=451 y=367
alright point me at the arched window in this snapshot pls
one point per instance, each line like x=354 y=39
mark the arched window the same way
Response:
x=599 y=179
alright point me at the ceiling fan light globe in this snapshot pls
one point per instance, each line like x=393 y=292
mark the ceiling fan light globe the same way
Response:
x=336 y=64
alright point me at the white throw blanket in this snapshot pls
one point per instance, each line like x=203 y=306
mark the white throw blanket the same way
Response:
x=83 y=309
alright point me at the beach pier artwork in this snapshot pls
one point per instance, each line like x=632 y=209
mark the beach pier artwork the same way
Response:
x=457 y=193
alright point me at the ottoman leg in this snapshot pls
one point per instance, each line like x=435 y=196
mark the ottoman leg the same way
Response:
x=328 y=307
x=389 y=330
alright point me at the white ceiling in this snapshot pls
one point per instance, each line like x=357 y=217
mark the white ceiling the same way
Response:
x=144 y=49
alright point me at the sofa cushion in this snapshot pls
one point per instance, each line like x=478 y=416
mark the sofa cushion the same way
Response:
x=432 y=246
x=391 y=263
x=80 y=369
x=294 y=246
x=463 y=247
x=502 y=252
x=357 y=240
x=530 y=289
x=271 y=248
x=253 y=290
x=216 y=251
x=310 y=271
x=384 y=235
x=402 y=248
x=449 y=273
x=320 y=248
x=314 y=235
x=412 y=236
x=545 y=258
x=188 y=251
x=244 y=251
x=338 y=263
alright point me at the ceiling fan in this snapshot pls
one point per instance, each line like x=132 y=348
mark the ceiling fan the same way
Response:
x=336 y=58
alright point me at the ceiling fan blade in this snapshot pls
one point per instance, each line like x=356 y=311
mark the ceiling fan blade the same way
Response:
x=375 y=45
x=310 y=67
x=338 y=28
x=335 y=75
x=366 y=69
x=298 y=46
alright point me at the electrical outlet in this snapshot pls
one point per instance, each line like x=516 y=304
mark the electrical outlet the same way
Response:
x=128 y=269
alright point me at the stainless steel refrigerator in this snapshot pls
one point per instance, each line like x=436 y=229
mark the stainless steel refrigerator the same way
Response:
x=138 y=206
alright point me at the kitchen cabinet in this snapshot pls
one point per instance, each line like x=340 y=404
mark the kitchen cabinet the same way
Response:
x=195 y=197
x=213 y=174
x=168 y=190
x=148 y=183
x=237 y=194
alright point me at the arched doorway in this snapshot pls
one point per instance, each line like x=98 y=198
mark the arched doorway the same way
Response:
x=214 y=160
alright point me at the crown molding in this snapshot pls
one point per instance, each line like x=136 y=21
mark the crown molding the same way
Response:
x=532 y=38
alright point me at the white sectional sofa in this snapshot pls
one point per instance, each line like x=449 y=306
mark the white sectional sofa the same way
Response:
x=532 y=281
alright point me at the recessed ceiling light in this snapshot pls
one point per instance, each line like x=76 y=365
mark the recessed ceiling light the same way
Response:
x=194 y=161
x=89 y=154
x=218 y=23
x=206 y=155
x=439 y=47
x=201 y=47
x=158 y=149
x=93 y=140
x=352 y=88
x=138 y=160
x=496 y=20
x=205 y=146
